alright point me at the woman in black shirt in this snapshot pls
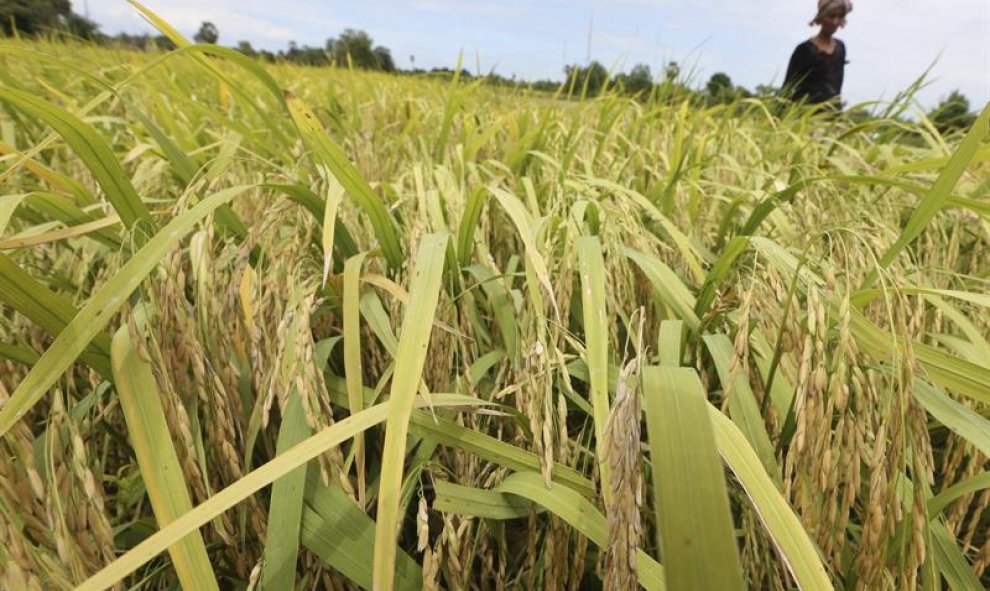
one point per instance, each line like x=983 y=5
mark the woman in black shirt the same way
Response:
x=817 y=66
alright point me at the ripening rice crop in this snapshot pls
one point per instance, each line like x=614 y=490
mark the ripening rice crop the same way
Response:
x=275 y=327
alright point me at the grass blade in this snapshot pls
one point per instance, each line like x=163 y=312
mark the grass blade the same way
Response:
x=333 y=157
x=695 y=525
x=91 y=149
x=963 y=421
x=248 y=485
x=159 y=464
x=343 y=536
x=783 y=526
x=353 y=372
x=494 y=450
x=96 y=314
x=521 y=219
x=940 y=192
x=668 y=286
x=60 y=234
x=285 y=514
x=743 y=407
x=580 y=514
x=476 y=502
x=334 y=196
x=48 y=310
x=951 y=562
x=939 y=502
x=417 y=325
x=591 y=266
x=669 y=342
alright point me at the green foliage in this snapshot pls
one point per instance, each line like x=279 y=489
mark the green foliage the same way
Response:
x=639 y=80
x=82 y=27
x=253 y=251
x=357 y=48
x=720 y=91
x=33 y=17
x=591 y=80
x=207 y=33
x=952 y=114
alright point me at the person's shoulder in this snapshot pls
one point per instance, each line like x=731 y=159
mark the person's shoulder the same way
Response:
x=805 y=47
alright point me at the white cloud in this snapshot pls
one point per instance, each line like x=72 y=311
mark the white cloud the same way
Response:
x=504 y=8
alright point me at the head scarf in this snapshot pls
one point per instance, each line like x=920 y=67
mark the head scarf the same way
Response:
x=827 y=6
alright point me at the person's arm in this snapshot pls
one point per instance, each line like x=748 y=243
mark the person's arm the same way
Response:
x=797 y=69
x=842 y=65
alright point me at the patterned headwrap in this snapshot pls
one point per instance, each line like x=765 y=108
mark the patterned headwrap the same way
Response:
x=827 y=6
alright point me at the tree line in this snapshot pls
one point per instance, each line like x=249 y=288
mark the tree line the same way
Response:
x=355 y=48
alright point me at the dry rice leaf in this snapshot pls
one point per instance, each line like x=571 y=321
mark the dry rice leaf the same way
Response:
x=152 y=443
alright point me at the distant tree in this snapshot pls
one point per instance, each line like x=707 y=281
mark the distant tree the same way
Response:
x=163 y=42
x=383 y=57
x=207 y=33
x=246 y=48
x=448 y=73
x=356 y=45
x=130 y=41
x=545 y=85
x=639 y=80
x=31 y=17
x=594 y=77
x=310 y=56
x=81 y=26
x=719 y=88
x=952 y=114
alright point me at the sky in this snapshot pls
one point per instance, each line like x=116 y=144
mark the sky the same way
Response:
x=889 y=42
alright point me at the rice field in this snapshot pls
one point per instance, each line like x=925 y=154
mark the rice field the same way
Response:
x=275 y=327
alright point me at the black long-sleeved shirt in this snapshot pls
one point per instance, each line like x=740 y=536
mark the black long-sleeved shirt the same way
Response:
x=816 y=76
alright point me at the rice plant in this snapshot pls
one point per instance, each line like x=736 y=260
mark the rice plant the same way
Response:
x=275 y=327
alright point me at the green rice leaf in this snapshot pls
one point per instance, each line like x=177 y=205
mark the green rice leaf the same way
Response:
x=580 y=514
x=591 y=267
x=524 y=227
x=941 y=190
x=469 y=225
x=476 y=502
x=489 y=448
x=334 y=197
x=696 y=533
x=353 y=371
x=411 y=355
x=48 y=310
x=671 y=332
x=251 y=483
x=285 y=513
x=951 y=562
x=333 y=157
x=668 y=286
x=342 y=535
x=91 y=149
x=93 y=318
x=743 y=407
x=963 y=421
x=796 y=549
x=971 y=485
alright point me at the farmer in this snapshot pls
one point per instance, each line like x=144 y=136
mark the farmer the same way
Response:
x=815 y=72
